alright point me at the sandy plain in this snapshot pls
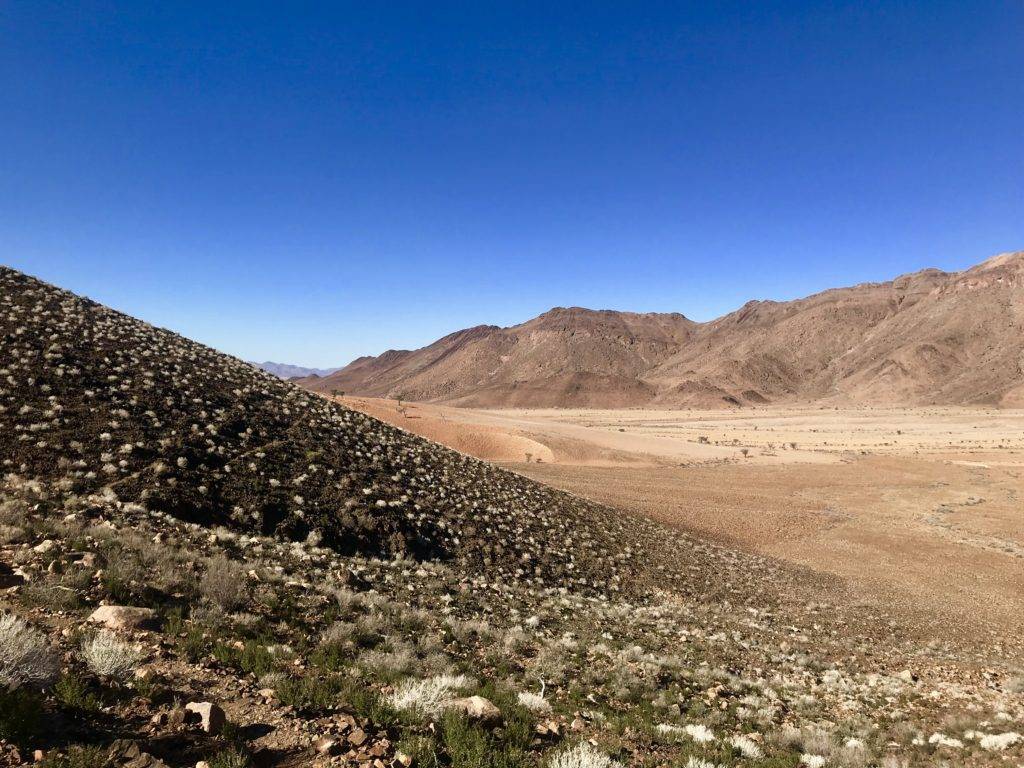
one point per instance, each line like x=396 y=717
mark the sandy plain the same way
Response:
x=920 y=509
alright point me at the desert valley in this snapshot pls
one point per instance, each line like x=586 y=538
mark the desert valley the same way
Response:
x=204 y=564
x=511 y=385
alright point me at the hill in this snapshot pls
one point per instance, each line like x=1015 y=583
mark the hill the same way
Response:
x=930 y=337
x=201 y=562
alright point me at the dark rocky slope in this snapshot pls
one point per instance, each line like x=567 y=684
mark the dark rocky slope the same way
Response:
x=95 y=400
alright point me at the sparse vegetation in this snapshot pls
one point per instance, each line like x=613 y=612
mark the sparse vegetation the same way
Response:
x=106 y=655
x=336 y=586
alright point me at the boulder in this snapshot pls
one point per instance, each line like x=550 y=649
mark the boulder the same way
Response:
x=122 y=617
x=477 y=708
x=211 y=717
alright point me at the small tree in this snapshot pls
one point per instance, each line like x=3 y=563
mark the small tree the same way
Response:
x=745 y=452
x=529 y=456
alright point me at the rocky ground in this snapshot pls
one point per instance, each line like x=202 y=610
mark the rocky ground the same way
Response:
x=202 y=564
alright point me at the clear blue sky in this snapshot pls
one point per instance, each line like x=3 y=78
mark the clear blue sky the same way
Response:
x=308 y=182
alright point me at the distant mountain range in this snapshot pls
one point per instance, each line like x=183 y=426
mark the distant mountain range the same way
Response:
x=930 y=337
x=286 y=371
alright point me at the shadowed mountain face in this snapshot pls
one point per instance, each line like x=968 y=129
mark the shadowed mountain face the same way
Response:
x=930 y=337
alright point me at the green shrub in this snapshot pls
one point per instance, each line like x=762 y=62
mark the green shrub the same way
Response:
x=75 y=693
x=230 y=758
x=79 y=757
x=312 y=694
x=20 y=715
x=469 y=746
x=194 y=644
x=253 y=657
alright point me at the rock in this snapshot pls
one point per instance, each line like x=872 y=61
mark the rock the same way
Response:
x=211 y=717
x=477 y=708
x=268 y=694
x=328 y=746
x=177 y=717
x=38 y=755
x=145 y=760
x=46 y=545
x=202 y=764
x=8 y=578
x=122 y=617
x=402 y=759
x=357 y=738
x=122 y=750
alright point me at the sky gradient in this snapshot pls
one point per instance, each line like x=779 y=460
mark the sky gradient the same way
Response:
x=310 y=182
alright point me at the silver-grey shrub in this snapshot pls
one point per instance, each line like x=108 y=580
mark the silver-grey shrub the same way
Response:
x=25 y=656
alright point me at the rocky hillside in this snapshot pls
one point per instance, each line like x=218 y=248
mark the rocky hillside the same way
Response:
x=95 y=400
x=929 y=337
x=203 y=565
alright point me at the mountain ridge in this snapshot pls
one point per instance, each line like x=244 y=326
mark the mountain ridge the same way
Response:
x=924 y=337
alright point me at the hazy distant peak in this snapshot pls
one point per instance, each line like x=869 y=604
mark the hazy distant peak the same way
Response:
x=287 y=371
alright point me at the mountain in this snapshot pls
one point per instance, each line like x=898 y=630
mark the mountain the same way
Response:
x=286 y=371
x=930 y=337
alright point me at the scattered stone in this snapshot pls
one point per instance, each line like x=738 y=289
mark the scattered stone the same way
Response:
x=122 y=617
x=211 y=717
x=477 y=708
x=328 y=746
x=357 y=738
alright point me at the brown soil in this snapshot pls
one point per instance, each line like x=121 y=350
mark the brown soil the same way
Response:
x=918 y=509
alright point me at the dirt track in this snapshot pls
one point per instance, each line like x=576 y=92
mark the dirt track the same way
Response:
x=918 y=508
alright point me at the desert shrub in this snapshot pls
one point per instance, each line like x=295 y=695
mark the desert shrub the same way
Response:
x=427 y=696
x=193 y=645
x=25 y=656
x=469 y=746
x=73 y=692
x=233 y=757
x=424 y=750
x=390 y=664
x=310 y=694
x=141 y=571
x=253 y=657
x=224 y=584
x=52 y=596
x=106 y=655
x=79 y=757
x=535 y=703
x=583 y=755
x=20 y=714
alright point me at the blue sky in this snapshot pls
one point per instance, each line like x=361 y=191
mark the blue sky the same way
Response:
x=309 y=182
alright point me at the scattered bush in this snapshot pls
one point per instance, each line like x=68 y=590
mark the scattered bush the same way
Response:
x=74 y=693
x=582 y=756
x=535 y=703
x=427 y=696
x=105 y=655
x=79 y=757
x=20 y=714
x=225 y=584
x=310 y=695
x=25 y=655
